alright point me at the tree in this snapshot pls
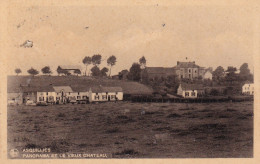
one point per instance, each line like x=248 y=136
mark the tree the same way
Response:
x=231 y=74
x=135 y=72
x=66 y=72
x=244 y=73
x=95 y=71
x=46 y=70
x=59 y=70
x=33 y=71
x=104 y=71
x=77 y=71
x=96 y=59
x=142 y=62
x=218 y=74
x=111 y=61
x=87 y=61
x=17 y=71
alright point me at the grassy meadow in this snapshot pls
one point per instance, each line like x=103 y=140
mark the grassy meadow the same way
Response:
x=136 y=130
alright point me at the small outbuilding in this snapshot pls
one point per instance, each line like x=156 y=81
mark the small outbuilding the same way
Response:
x=190 y=90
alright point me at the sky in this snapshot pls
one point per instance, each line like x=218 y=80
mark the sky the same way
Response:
x=211 y=36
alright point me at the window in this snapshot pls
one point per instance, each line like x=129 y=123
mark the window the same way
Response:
x=189 y=71
x=186 y=94
x=78 y=97
x=193 y=93
x=96 y=97
x=104 y=97
x=195 y=71
x=113 y=96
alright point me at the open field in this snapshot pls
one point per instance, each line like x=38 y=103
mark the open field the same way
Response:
x=136 y=130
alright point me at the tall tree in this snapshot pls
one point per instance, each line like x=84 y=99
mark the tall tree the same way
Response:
x=96 y=59
x=95 y=71
x=135 y=72
x=218 y=74
x=142 y=62
x=244 y=73
x=87 y=61
x=59 y=70
x=46 y=70
x=231 y=74
x=77 y=71
x=104 y=71
x=111 y=61
x=18 y=71
x=33 y=71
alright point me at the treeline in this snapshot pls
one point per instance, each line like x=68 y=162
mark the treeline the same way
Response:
x=95 y=60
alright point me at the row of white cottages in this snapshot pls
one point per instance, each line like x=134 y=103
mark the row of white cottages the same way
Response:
x=63 y=94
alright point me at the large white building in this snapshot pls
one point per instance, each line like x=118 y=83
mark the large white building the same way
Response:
x=248 y=88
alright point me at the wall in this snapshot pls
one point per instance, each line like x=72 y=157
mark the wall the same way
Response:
x=190 y=96
x=92 y=96
x=51 y=96
x=248 y=89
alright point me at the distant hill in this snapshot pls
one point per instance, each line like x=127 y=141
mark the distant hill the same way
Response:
x=129 y=87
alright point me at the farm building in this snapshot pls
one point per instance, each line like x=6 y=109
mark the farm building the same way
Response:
x=71 y=68
x=248 y=88
x=190 y=90
x=14 y=95
x=101 y=93
x=38 y=94
x=62 y=93
x=80 y=92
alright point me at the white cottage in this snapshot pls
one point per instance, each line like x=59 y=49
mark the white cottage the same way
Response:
x=46 y=94
x=190 y=90
x=80 y=92
x=105 y=94
x=248 y=88
x=62 y=93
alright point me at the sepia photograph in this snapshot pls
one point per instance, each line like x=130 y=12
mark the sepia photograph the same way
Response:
x=130 y=81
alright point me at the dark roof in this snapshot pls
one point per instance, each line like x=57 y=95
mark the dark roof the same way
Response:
x=80 y=88
x=186 y=65
x=186 y=86
x=13 y=89
x=100 y=89
x=37 y=89
x=160 y=70
x=64 y=88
